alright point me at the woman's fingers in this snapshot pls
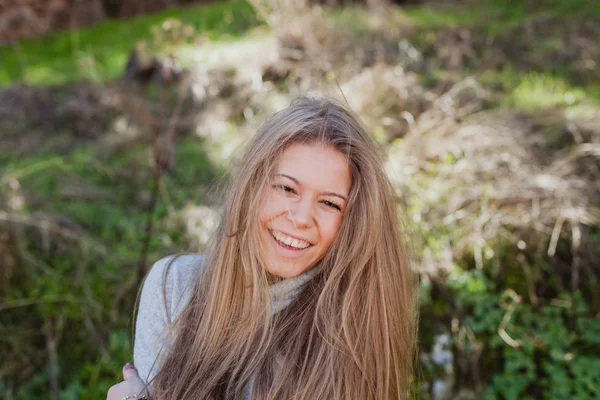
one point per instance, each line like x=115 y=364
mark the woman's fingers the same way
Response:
x=129 y=372
x=132 y=383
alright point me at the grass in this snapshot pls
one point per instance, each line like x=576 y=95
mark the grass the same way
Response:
x=496 y=15
x=72 y=277
x=77 y=276
x=531 y=88
x=536 y=90
x=116 y=185
x=100 y=52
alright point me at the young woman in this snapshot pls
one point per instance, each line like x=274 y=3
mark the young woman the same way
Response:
x=306 y=291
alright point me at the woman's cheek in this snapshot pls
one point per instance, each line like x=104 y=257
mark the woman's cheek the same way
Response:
x=330 y=227
x=267 y=211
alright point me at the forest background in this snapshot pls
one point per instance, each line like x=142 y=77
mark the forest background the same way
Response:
x=115 y=131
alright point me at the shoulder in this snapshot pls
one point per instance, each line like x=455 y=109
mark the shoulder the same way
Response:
x=174 y=269
x=165 y=291
x=171 y=281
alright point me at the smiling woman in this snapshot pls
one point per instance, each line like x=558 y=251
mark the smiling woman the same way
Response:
x=302 y=212
x=306 y=292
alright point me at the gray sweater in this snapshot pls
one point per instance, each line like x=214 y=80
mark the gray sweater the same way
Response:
x=152 y=338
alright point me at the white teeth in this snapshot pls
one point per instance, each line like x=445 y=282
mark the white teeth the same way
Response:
x=290 y=241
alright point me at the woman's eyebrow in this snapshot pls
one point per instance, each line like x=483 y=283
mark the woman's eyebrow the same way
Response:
x=335 y=195
x=325 y=193
x=290 y=178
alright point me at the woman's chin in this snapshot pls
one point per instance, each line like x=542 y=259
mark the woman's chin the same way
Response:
x=284 y=272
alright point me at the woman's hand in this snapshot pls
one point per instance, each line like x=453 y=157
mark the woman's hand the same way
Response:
x=131 y=384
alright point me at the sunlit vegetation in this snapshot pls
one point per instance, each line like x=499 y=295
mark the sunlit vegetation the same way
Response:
x=99 y=52
x=488 y=113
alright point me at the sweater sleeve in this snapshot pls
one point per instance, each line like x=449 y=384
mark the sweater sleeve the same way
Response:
x=152 y=336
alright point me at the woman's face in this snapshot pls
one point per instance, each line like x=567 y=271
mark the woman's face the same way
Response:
x=303 y=207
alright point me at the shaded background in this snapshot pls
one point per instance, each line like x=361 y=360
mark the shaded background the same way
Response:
x=119 y=118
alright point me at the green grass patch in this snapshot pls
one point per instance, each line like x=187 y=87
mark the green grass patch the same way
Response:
x=537 y=90
x=99 y=52
x=117 y=188
x=495 y=15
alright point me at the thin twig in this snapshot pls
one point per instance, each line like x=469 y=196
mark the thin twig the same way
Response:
x=156 y=174
x=516 y=299
x=49 y=226
x=52 y=339
x=575 y=243
x=555 y=235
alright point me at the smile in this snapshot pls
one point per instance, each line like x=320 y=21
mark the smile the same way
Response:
x=288 y=241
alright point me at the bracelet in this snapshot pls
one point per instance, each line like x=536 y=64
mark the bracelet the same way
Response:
x=135 y=396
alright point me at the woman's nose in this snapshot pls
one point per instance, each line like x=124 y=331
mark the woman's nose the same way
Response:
x=301 y=213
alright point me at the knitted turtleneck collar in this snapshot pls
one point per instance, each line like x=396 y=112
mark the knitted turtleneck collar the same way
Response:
x=282 y=294
x=285 y=291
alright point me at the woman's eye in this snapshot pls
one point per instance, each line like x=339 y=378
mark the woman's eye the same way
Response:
x=284 y=188
x=332 y=205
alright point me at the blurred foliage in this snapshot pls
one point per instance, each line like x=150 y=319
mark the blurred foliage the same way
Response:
x=73 y=284
x=499 y=15
x=553 y=347
x=516 y=331
x=100 y=51
x=505 y=315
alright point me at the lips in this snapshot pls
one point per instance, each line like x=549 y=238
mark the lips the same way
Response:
x=289 y=241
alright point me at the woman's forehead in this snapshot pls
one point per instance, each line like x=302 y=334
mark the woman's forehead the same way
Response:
x=317 y=164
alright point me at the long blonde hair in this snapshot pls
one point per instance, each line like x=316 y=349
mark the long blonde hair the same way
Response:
x=350 y=333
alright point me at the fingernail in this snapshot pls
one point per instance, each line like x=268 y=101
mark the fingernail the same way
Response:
x=128 y=366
